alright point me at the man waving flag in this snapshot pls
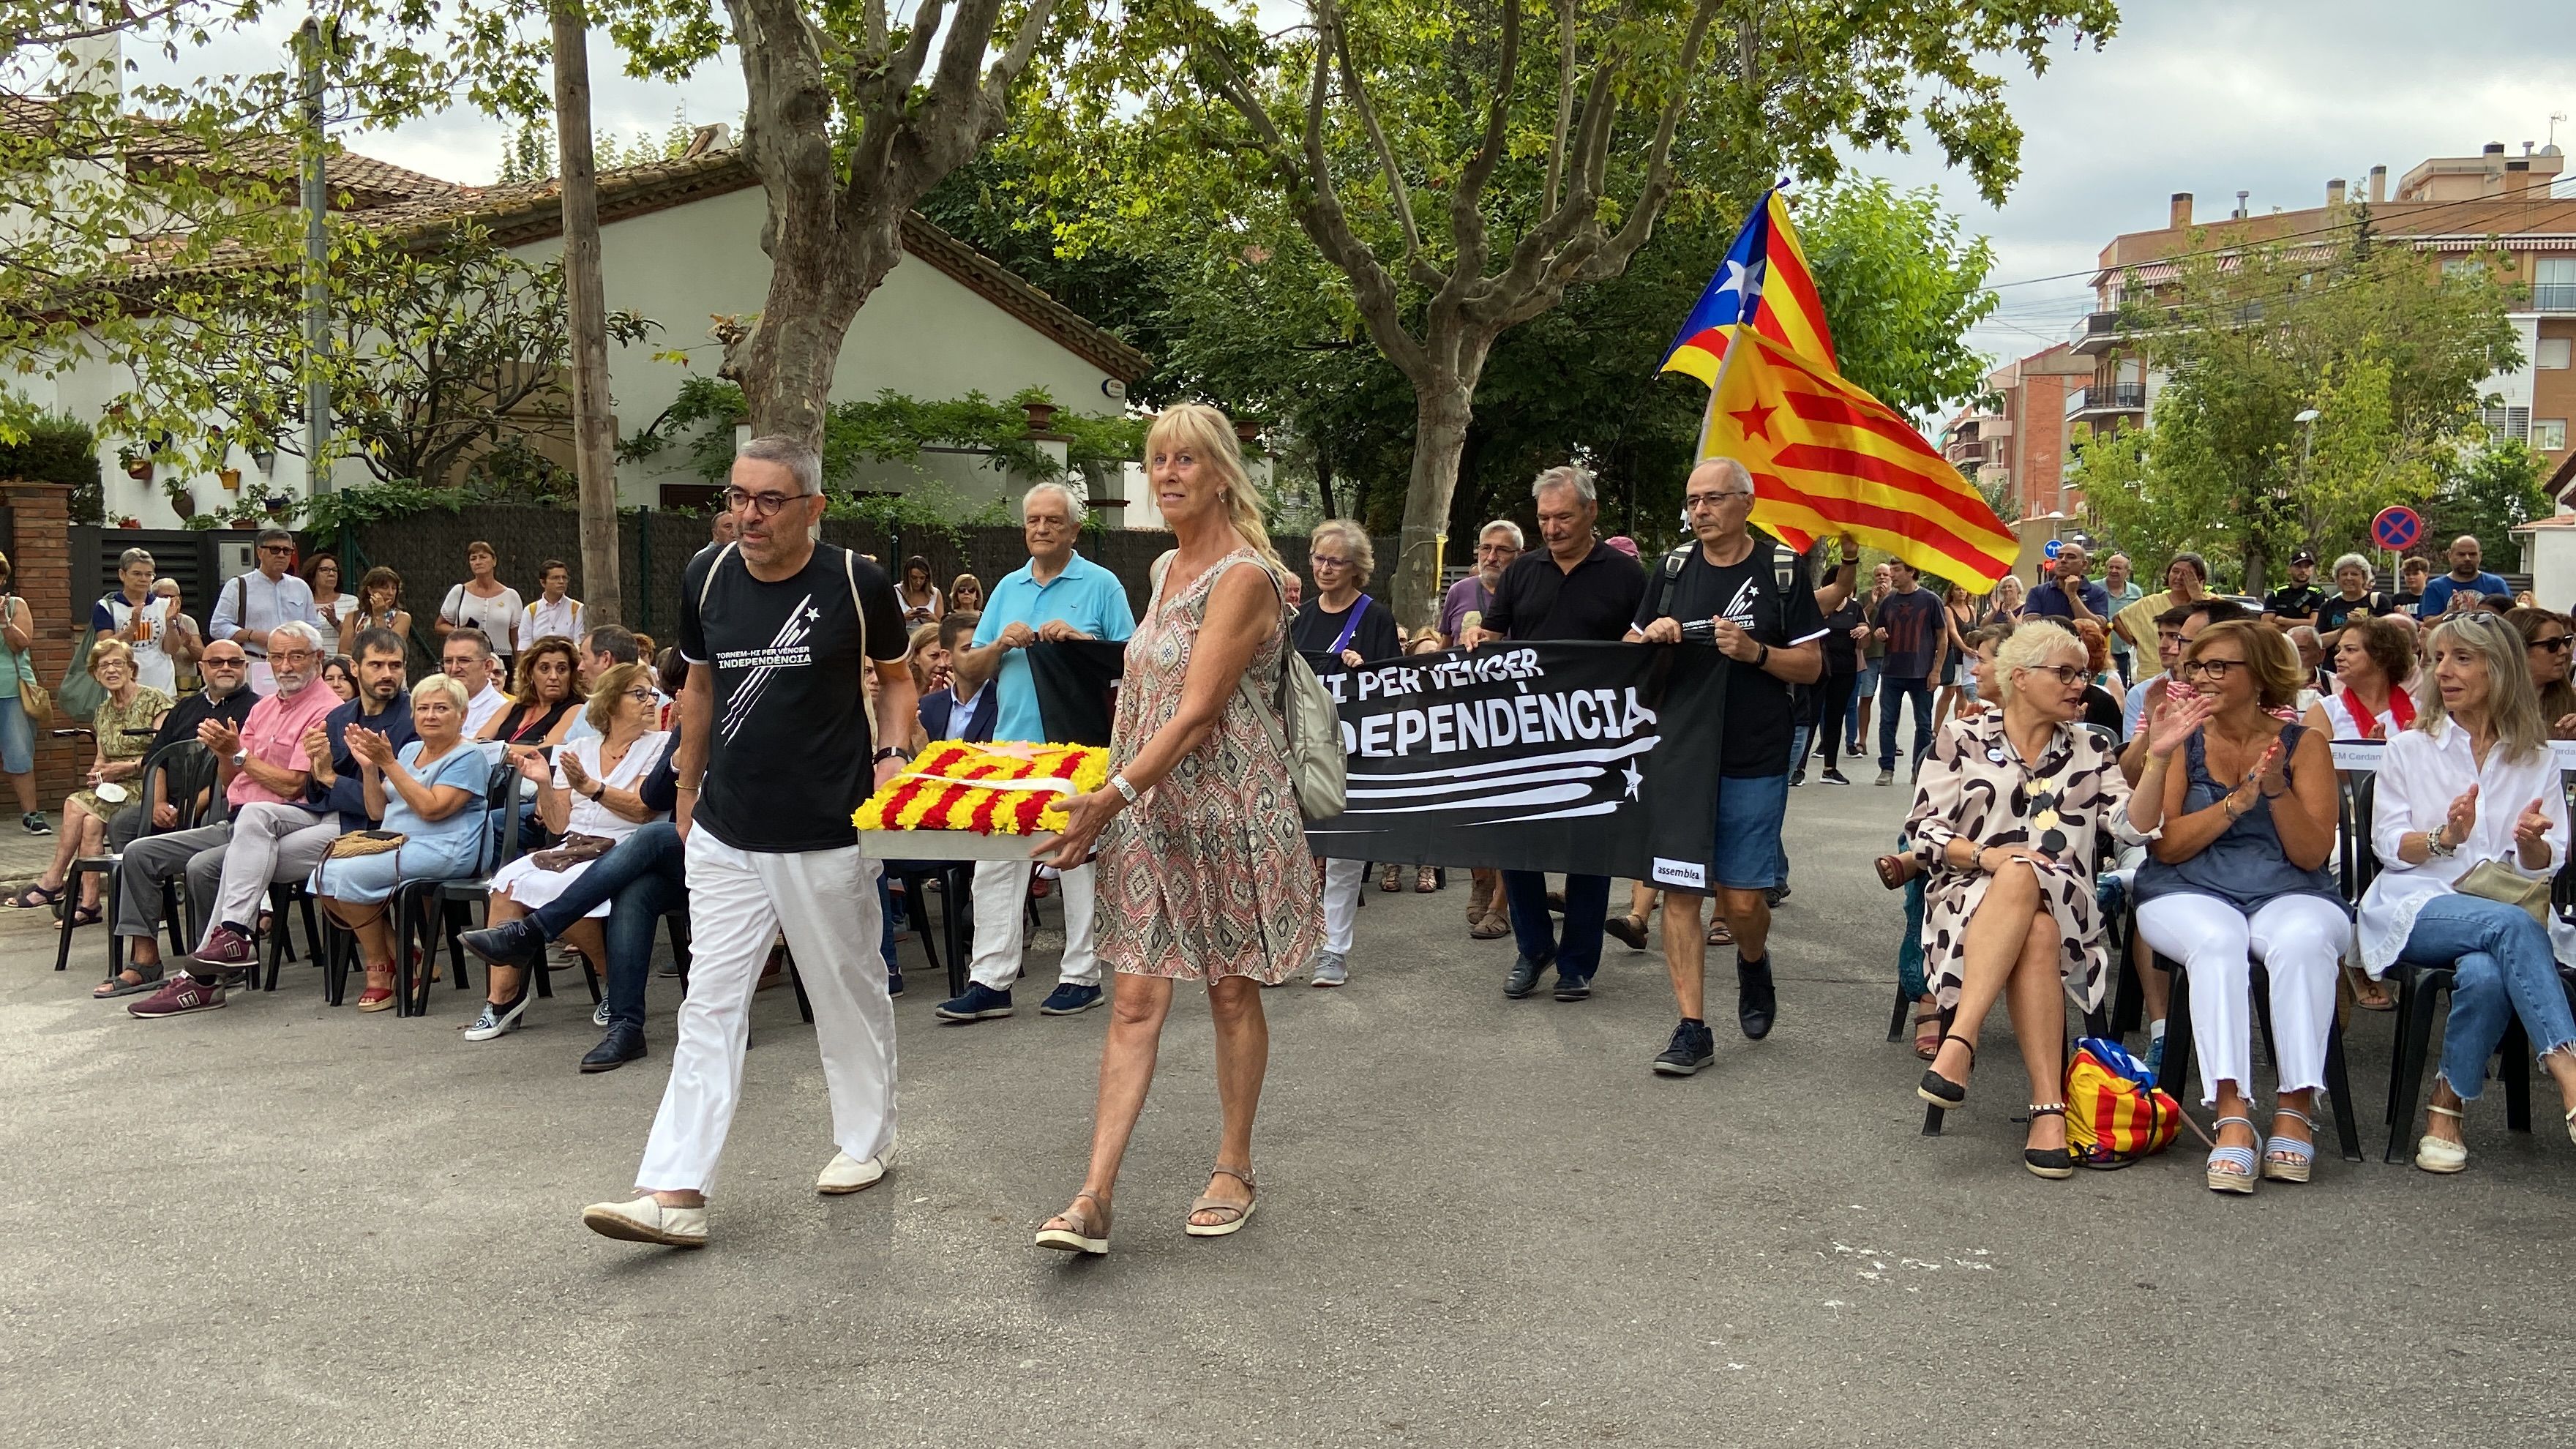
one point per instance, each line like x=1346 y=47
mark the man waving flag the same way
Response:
x=1826 y=457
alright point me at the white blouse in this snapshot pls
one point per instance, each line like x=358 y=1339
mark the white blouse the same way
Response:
x=2422 y=773
x=589 y=817
x=2342 y=726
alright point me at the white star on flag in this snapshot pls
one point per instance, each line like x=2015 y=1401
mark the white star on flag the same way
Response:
x=1744 y=281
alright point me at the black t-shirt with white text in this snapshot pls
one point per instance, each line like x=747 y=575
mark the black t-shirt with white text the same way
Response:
x=1759 y=719
x=788 y=760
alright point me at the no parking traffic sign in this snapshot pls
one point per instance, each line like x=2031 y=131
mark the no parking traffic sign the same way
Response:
x=2396 y=529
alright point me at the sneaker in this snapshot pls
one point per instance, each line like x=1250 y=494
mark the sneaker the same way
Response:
x=2156 y=1059
x=1798 y=776
x=1887 y=777
x=1693 y=1047
x=178 y=996
x=845 y=1173
x=1834 y=777
x=979 y=1002
x=894 y=982
x=1069 y=998
x=599 y=1015
x=514 y=943
x=1757 y=1001
x=1524 y=977
x=623 y=1044
x=497 y=1020
x=33 y=822
x=1332 y=968
x=647 y=1221
x=228 y=947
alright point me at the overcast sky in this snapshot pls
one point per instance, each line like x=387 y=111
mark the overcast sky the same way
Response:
x=2205 y=96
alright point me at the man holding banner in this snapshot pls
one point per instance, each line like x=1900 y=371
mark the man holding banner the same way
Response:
x=1749 y=595
x=1576 y=587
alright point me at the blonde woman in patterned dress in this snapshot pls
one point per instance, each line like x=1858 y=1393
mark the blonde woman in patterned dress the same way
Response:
x=2006 y=820
x=1203 y=862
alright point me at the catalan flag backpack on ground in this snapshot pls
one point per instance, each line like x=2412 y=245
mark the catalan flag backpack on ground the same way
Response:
x=2114 y=1113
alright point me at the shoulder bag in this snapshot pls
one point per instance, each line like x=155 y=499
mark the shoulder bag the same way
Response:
x=2495 y=881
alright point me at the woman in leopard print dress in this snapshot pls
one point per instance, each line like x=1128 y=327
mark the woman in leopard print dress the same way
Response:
x=2007 y=817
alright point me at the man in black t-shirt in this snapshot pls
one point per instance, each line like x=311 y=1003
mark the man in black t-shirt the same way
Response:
x=1914 y=628
x=1769 y=626
x=2297 y=601
x=775 y=755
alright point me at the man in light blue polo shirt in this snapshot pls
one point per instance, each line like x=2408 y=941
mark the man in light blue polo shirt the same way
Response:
x=1058 y=595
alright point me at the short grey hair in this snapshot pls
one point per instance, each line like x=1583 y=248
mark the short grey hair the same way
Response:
x=2303 y=634
x=1567 y=475
x=442 y=684
x=1502 y=525
x=131 y=557
x=2350 y=560
x=1073 y=505
x=795 y=455
x=1355 y=541
x=2032 y=642
x=311 y=636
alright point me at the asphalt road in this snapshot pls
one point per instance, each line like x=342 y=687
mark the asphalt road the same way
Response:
x=1482 y=1222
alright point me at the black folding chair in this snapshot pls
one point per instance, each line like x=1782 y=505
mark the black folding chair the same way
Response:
x=431 y=904
x=187 y=772
x=956 y=901
x=2176 y=1073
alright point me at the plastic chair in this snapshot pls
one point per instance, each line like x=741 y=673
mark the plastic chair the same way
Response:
x=2175 y=1076
x=187 y=769
x=429 y=903
x=282 y=894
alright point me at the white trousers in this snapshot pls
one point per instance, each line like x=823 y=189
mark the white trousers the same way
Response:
x=270 y=843
x=1342 y=882
x=826 y=903
x=2300 y=940
x=1001 y=893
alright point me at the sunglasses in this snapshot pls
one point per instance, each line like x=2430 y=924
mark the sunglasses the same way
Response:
x=2561 y=644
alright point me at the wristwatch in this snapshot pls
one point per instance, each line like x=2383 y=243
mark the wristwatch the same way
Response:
x=240 y=758
x=889 y=752
x=1125 y=790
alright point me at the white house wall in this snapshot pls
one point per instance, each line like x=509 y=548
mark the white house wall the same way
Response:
x=922 y=333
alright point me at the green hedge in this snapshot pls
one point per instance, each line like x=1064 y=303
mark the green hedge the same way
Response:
x=58 y=450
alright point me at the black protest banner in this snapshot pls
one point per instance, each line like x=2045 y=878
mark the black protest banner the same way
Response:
x=1596 y=759
x=1077 y=686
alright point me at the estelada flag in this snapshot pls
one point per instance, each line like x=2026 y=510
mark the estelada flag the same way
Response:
x=1828 y=458
x=1764 y=281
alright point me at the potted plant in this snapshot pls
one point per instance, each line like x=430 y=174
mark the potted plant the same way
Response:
x=137 y=465
x=230 y=477
x=128 y=520
x=181 y=499
x=1041 y=415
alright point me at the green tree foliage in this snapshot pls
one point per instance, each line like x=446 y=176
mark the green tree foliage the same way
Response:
x=56 y=449
x=442 y=348
x=1466 y=166
x=2390 y=352
x=2494 y=490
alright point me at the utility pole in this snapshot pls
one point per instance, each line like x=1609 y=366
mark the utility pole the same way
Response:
x=586 y=316
x=317 y=260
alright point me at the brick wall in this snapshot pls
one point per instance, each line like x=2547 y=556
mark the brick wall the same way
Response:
x=40 y=516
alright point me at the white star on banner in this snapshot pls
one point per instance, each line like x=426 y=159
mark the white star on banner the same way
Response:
x=1635 y=776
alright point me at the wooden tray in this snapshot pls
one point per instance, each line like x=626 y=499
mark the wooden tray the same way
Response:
x=948 y=845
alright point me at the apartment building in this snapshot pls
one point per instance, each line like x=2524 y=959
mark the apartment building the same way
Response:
x=2457 y=210
x=2021 y=446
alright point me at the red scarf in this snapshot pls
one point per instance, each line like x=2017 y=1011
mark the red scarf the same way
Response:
x=2401 y=708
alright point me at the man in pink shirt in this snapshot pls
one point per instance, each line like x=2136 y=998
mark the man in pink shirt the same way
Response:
x=263 y=761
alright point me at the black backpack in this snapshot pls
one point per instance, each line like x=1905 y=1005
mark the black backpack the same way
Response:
x=1788 y=571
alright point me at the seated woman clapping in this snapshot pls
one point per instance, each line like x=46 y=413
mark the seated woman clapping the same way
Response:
x=2469 y=809
x=2005 y=820
x=589 y=798
x=428 y=795
x=2245 y=807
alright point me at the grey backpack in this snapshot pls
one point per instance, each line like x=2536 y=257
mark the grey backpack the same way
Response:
x=1301 y=721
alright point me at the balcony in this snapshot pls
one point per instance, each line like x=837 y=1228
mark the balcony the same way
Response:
x=1970 y=450
x=2095 y=333
x=2099 y=401
x=2554 y=297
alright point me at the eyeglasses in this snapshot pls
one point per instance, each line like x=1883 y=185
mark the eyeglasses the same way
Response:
x=764 y=505
x=2215 y=669
x=282 y=654
x=640 y=695
x=223 y=661
x=1327 y=561
x=2066 y=674
x=1711 y=500
x=276 y=548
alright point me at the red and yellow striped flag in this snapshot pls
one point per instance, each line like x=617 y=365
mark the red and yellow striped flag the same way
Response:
x=1764 y=281
x=1828 y=458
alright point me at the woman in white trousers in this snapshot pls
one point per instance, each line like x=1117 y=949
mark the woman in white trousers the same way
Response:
x=2242 y=806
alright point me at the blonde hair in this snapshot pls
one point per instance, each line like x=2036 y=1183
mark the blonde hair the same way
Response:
x=2513 y=705
x=107 y=649
x=608 y=689
x=443 y=684
x=1210 y=434
x=1356 y=540
x=2030 y=642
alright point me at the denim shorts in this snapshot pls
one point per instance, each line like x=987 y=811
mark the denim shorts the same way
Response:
x=17 y=738
x=1750 y=813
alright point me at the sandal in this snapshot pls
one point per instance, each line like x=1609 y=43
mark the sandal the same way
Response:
x=83 y=916
x=1425 y=881
x=1927 y=1048
x=34 y=898
x=2368 y=993
x=1939 y=1090
x=1718 y=934
x=1390 y=878
x=2238 y=1162
x=116 y=986
x=1079 y=1234
x=2440 y=1154
x=1205 y=1204
x=2049 y=1162
x=1894 y=870
x=1491 y=928
x=2287 y=1159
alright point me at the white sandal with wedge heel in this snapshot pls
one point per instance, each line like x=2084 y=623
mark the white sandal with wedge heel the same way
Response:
x=2440 y=1154
x=2287 y=1159
x=1079 y=1234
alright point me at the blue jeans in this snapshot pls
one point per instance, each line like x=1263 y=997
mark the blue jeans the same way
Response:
x=2500 y=961
x=1909 y=950
x=1587 y=904
x=1892 y=692
x=644 y=877
x=17 y=738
